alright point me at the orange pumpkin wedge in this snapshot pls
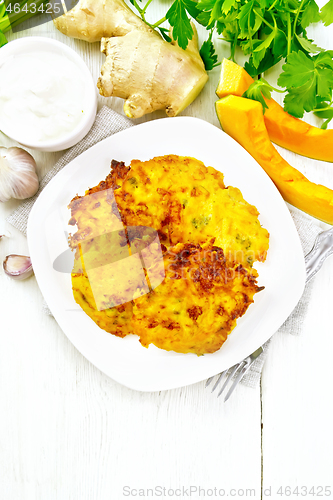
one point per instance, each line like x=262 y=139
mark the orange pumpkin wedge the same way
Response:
x=283 y=129
x=243 y=120
x=233 y=79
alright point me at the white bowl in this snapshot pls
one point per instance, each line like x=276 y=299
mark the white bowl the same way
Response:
x=29 y=45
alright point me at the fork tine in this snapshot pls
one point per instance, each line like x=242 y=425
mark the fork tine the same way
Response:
x=218 y=380
x=208 y=381
x=235 y=368
x=239 y=377
x=243 y=367
x=247 y=364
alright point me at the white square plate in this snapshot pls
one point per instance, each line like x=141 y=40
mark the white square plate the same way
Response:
x=125 y=360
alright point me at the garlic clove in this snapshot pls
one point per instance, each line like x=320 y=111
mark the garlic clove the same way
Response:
x=18 y=177
x=18 y=267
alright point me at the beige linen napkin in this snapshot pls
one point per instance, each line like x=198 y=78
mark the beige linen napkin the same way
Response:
x=109 y=122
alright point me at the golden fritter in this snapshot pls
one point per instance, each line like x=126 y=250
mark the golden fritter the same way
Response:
x=196 y=306
x=115 y=320
x=186 y=294
x=94 y=214
x=186 y=201
x=112 y=270
x=92 y=254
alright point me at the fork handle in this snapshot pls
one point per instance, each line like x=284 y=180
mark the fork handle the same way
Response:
x=322 y=248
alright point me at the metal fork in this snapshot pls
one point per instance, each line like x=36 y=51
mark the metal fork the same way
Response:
x=322 y=248
x=241 y=368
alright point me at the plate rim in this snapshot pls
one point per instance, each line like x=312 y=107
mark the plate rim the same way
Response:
x=60 y=320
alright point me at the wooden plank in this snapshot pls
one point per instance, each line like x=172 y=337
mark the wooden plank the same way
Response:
x=297 y=378
x=297 y=400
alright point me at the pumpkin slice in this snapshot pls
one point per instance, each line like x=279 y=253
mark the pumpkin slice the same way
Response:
x=233 y=79
x=243 y=120
x=283 y=129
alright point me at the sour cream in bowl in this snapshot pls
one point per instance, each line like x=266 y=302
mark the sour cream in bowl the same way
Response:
x=48 y=99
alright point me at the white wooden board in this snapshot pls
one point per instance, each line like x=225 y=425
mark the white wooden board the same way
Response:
x=69 y=432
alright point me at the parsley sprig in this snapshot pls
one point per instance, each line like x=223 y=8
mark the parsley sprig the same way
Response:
x=208 y=54
x=267 y=31
x=259 y=90
x=308 y=80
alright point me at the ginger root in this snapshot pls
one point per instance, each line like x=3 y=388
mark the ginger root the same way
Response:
x=156 y=75
x=140 y=67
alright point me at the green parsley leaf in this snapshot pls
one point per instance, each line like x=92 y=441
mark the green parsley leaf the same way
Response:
x=249 y=21
x=251 y=48
x=203 y=19
x=191 y=7
x=324 y=110
x=165 y=33
x=267 y=42
x=208 y=54
x=2 y=9
x=324 y=83
x=216 y=12
x=205 y=5
x=324 y=58
x=258 y=90
x=227 y=5
x=326 y=122
x=305 y=78
x=280 y=44
x=257 y=57
x=310 y=14
x=297 y=71
x=265 y=4
x=3 y=39
x=267 y=62
x=228 y=25
x=205 y=8
x=326 y=13
x=303 y=98
x=177 y=16
x=308 y=45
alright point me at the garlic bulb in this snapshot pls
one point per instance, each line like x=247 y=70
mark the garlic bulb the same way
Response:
x=18 y=177
x=18 y=267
